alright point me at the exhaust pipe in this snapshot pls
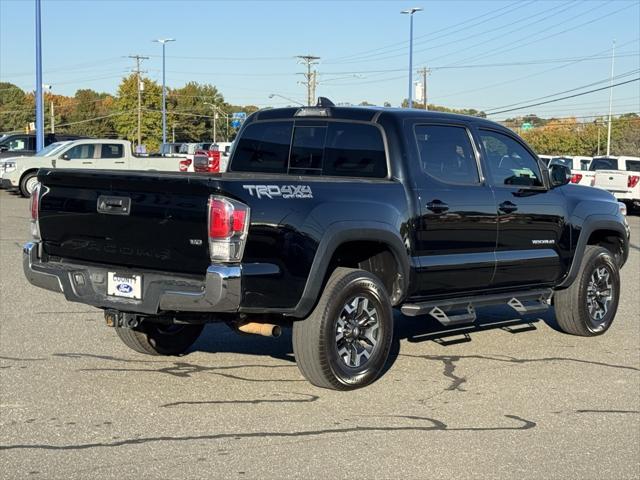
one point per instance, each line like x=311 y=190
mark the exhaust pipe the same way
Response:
x=263 y=329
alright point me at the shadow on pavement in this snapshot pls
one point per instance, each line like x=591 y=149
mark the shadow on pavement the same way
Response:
x=218 y=338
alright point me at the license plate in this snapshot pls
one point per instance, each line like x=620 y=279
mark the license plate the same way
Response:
x=127 y=286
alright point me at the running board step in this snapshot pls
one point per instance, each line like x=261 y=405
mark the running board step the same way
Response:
x=457 y=311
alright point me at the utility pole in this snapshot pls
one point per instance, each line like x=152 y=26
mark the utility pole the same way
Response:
x=173 y=133
x=613 y=59
x=424 y=71
x=311 y=77
x=53 y=119
x=138 y=59
x=39 y=102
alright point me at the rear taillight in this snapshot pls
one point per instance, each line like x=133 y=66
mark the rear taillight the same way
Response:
x=184 y=165
x=576 y=177
x=632 y=181
x=228 y=227
x=35 y=212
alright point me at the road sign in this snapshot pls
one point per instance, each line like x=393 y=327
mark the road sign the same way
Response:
x=239 y=115
x=236 y=123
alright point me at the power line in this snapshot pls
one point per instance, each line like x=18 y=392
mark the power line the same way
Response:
x=526 y=77
x=622 y=75
x=449 y=30
x=501 y=50
x=564 y=98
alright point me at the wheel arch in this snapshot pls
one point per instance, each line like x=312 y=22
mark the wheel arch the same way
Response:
x=603 y=231
x=365 y=245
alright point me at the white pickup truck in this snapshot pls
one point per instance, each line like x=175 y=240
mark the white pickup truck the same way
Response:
x=103 y=154
x=620 y=176
x=578 y=166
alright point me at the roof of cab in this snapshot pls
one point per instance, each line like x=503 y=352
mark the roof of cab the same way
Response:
x=367 y=114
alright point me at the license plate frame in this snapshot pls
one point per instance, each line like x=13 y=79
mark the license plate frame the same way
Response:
x=124 y=285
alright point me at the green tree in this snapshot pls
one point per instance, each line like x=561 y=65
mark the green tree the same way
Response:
x=191 y=109
x=125 y=119
x=17 y=108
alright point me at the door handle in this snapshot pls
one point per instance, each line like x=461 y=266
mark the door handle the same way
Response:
x=87 y=163
x=507 y=207
x=437 y=206
x=120 y=162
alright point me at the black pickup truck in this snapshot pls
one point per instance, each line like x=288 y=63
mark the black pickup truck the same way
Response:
x=328 y=218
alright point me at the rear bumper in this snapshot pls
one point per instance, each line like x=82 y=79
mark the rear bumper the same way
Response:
x=220 y=291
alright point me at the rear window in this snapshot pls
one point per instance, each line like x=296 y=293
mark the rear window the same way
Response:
x=633 y=165
x=565 y=162
x=604 y=164
x=323 y=148
x=263 y=147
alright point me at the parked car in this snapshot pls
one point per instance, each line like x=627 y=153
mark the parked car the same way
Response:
x=20 y=172
x=213 y=160
x=621 y=177
x=327 y=219
x=24 y=144
x=578 y=165
x=189 y=150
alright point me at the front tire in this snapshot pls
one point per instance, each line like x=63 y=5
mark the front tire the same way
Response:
x=344 y=344
x=28 y=183
x=159 y=339
x=588 y=307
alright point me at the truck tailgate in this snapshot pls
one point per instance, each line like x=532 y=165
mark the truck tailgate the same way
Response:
x=133 y=219
x=611 y=180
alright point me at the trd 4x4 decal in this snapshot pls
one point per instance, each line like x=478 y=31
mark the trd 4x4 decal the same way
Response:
x=283 y=191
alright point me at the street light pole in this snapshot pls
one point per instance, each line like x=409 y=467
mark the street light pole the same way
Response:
x=410 y=12
x=286 y=98
x=39 y=102
x=164 y=42
x=613 y=59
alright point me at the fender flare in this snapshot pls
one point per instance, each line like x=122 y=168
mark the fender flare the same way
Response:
x=591 y=224
x=342 y=232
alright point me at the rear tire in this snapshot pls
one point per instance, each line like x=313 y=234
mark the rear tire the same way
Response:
x=344 y=344
x=588 y=307
x=159 y=339
x=28 y=183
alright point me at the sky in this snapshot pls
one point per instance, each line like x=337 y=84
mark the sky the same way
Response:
x=487 y=55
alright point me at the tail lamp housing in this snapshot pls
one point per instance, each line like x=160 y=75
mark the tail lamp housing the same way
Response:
x=576 y=177
x=185 y=164
x=228 y=227
x=632 y=181
x=35 y=212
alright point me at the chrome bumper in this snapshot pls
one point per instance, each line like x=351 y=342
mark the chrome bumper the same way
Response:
x=220 y=291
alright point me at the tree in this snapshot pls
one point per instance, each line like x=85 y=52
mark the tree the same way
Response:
x=125 y=119
x=17 y=108
x=86 y=111
x=190 y=111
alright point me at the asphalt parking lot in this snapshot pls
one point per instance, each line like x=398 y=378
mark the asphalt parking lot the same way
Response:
x=509 y=398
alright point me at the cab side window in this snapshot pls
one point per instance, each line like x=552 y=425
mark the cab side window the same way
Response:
x=111 y=150
x=509 y=162
x=81 y=152
x=18 y=144
x=446 y=154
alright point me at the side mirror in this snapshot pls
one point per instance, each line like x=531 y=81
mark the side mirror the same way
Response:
x=3 y=148
x=559 y=175
x=65 y=157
